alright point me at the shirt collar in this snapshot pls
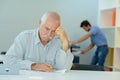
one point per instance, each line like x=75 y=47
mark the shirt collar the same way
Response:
x=37 y=39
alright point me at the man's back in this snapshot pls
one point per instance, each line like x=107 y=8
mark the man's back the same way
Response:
x=97 y=36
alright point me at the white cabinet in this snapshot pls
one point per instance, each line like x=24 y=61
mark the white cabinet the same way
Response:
x=109 y=21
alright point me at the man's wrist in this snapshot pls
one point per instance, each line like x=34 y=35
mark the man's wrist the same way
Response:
x=33 y=66
x=65 y=45
x=77 y=41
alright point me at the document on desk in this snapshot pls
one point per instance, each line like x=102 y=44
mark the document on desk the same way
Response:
x=61 y=71
x=31 y=72
x=56 y=75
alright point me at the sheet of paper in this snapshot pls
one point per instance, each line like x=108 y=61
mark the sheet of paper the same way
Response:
x=31 y=72
x=61 y=71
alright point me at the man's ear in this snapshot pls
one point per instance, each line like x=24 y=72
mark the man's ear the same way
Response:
x=39 y=23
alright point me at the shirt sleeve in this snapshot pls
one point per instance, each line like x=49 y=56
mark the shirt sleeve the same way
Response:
x=15 y=54
x=63 y=60
x=93 y=30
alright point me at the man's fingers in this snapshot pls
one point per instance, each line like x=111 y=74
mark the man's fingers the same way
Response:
x=48 y=65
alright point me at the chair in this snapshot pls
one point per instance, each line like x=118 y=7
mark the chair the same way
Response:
x=75 y=49
x=3 y=53
x=77 y=66
x=1 y=56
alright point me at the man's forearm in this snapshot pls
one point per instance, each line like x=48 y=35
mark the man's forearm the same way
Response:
x=84 y=38
x=90 y=47
x=65 y=45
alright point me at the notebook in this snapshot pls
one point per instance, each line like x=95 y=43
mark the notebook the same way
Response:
x=6 y=69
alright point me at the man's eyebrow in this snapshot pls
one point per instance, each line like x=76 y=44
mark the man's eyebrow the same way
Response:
x=47 y=27
x=54 y=30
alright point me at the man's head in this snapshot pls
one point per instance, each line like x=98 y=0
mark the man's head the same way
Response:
x=48 y=24
x=85 y=25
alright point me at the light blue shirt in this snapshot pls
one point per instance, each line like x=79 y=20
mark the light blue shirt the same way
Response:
x=97 y=37
x=28 y=49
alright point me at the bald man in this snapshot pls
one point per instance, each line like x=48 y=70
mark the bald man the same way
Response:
x=43 y=49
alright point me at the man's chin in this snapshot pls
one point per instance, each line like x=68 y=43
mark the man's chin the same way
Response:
x=47 y=40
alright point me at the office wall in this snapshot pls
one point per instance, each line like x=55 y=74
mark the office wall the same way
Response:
x=19 y=15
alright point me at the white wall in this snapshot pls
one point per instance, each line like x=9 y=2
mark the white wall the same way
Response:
x=19 y=15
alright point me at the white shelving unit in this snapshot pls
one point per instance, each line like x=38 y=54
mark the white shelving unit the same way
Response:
x=109 y=21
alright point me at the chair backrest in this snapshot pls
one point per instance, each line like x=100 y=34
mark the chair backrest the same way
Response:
x=2 y=56
x=3 y=53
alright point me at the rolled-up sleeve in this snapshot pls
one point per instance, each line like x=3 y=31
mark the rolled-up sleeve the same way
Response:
x=15 y=55
x=63 y=60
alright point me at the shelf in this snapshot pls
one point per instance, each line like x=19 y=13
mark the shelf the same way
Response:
x=108 y=18
x=118 y=2
x=117 y=41
x=118 y=27
x=107 y=27
x=109 y=21
x=118 y=17
x=110 y=36
x=107 y=4
x=109 y=58
x=117 y=58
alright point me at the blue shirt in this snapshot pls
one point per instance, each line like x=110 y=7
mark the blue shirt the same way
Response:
x=28 y=49
x=97 y=37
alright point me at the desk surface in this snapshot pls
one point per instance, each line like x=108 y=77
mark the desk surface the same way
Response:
x=71 y=75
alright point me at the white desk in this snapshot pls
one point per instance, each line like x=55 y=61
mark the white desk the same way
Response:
x=71 y=75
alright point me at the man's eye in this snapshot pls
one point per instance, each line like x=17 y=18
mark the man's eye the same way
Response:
x=47 y=28
x=53 y=32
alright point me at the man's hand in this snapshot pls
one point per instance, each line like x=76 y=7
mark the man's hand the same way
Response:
x=63 y=37
x=84 y=52
x=74 y=42
x=61 y=34
x=42 y=67
x=88 y=48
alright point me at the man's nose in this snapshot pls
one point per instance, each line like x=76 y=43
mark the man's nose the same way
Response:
x=49 y=33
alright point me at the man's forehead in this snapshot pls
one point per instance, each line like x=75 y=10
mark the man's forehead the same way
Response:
x=51 y=27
